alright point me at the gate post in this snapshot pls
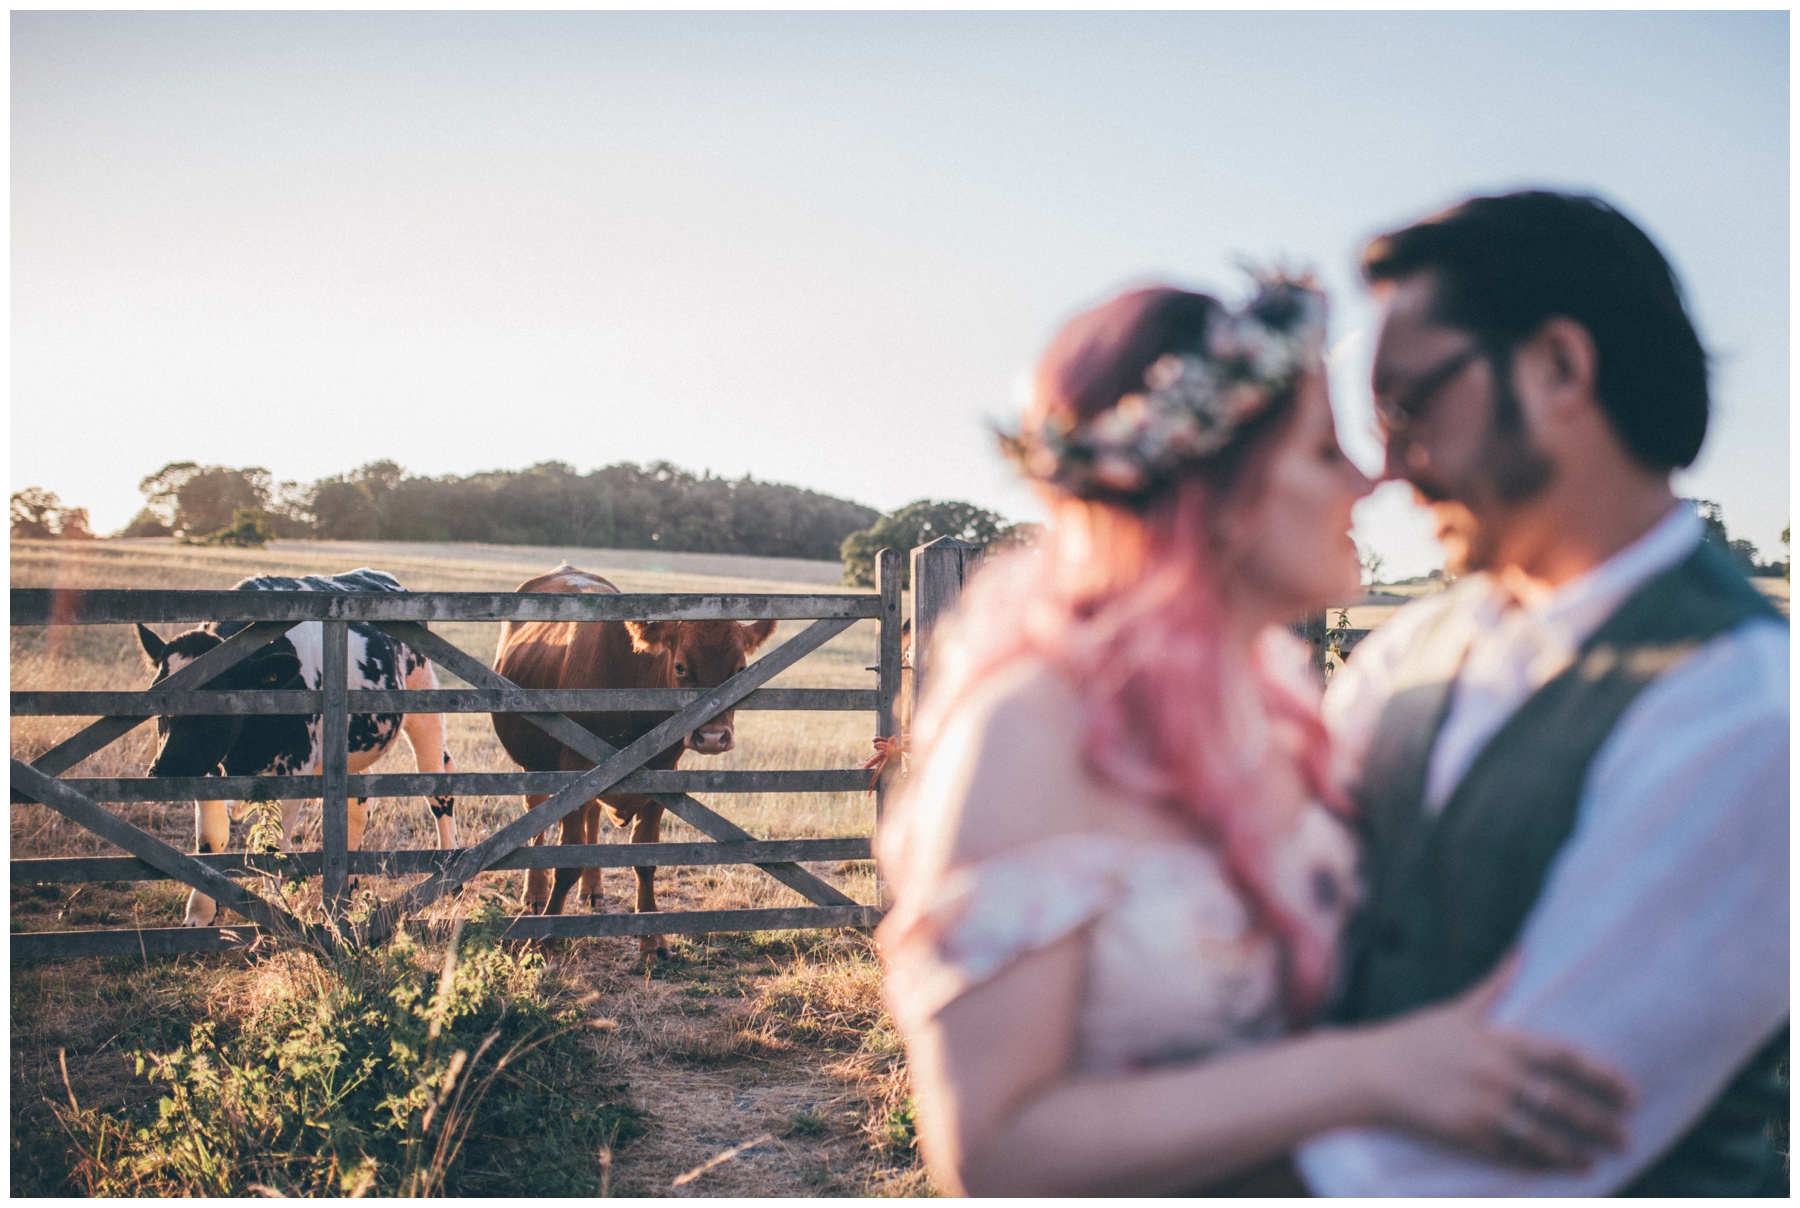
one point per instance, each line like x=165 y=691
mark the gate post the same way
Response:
x=887 y=688
x=334 y=765
x=1311 y=629
x=939 y=570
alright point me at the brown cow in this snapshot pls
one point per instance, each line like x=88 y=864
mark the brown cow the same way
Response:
x=612 y=654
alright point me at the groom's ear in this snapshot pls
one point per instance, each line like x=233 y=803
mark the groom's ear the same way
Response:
x=1573 y=353
x=1555 y=371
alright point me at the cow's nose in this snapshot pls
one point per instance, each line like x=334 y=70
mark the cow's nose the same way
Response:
x=712 y=742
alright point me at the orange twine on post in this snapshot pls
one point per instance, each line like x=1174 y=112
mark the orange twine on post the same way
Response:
x=889 y=750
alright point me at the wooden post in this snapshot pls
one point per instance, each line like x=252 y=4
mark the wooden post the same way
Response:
x=334 y=759
x=939 y=570
x=888 y=584
x=887 y=687
x=1311 y=629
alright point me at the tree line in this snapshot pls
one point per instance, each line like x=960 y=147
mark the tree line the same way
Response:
x=625 y=506
x=1739 y=549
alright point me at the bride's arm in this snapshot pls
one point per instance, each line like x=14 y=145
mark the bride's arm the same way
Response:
x=1001 y=1113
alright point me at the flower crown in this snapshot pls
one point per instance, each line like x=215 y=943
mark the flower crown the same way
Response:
x=1192 y=404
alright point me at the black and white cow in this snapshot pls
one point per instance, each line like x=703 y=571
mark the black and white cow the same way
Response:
x=289 y=746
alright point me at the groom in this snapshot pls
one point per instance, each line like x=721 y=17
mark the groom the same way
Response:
x=1581 y=749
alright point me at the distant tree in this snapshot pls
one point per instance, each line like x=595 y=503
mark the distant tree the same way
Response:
x=145 y=524
x=159 y=490
x=1713 y=517
x=37 y=513
x=1372 y=563
x=250 y=528
x=34 y=513
x=343 y=509
x=1739 y=550
x=913 y=525
x=193 y=500
x=74 y=526
x=426 y=509
x=289 y=510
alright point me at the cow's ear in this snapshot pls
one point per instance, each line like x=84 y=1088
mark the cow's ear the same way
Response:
x=154 y=647
x=648 y=637
x=756 y=633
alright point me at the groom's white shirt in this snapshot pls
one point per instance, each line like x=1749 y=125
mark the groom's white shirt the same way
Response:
x=1660 y=940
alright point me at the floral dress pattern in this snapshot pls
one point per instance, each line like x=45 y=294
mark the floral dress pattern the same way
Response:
x=1176 y=971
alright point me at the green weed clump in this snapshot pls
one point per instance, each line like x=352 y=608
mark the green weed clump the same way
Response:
x=372 y=1074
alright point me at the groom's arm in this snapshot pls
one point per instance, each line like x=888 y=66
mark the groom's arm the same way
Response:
x=1660 y=941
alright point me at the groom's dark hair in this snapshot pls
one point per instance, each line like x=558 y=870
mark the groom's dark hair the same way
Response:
x=1506 y=265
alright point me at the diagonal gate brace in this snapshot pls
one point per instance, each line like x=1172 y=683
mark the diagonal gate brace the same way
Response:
x=153 y=851
x=609 y=771
x=207 y=667
x=586 y=742
x=724 y=830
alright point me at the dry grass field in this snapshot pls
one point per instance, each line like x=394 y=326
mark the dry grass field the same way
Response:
x=774 y=1036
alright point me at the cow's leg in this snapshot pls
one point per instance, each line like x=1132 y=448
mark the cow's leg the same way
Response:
x=537 y=880
x=425 y=735
x=443 y=809
x=590 y=877
x=359 y=826
x=290 y=820
x=566 y=877
x=212 y=833
x=646 y=827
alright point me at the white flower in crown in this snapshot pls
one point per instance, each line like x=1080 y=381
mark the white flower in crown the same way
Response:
x=1192 y=404
x=1186 y=392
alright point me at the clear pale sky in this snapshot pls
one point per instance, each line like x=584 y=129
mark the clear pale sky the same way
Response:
x=817 y=247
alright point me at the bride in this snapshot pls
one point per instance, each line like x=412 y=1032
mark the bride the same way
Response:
x=1120 y=868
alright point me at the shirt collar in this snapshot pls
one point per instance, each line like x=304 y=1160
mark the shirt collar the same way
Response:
x=1579 y=607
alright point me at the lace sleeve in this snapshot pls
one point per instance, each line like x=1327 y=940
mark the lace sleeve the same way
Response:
x=981 y=918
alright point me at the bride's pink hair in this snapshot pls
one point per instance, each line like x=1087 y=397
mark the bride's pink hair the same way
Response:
x=1123 y=598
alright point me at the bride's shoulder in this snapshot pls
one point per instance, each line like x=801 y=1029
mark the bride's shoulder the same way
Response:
x=1027 y=693
x=1006 y=767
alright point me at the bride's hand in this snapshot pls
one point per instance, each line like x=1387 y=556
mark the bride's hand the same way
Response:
x=1515 y=1098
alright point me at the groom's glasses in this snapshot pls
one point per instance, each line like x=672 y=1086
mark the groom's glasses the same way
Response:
x=1400 y=409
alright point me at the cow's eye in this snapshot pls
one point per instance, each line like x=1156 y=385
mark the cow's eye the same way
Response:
x=680 y=668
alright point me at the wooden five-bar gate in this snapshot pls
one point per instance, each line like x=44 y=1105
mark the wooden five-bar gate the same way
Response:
x=938 y=572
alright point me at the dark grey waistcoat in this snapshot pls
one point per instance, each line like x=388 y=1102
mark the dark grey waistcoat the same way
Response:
x=1447 y=896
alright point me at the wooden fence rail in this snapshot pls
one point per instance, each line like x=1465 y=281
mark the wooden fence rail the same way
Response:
x=49 y=606
x=404 y=614
x=154 y=702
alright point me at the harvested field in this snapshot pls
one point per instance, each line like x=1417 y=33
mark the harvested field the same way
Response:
x=776 y=1039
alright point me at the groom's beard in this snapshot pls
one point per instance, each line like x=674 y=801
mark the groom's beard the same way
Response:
x=1472 y=515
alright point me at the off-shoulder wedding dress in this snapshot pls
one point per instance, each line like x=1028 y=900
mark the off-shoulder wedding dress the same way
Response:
x=1176 y=970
